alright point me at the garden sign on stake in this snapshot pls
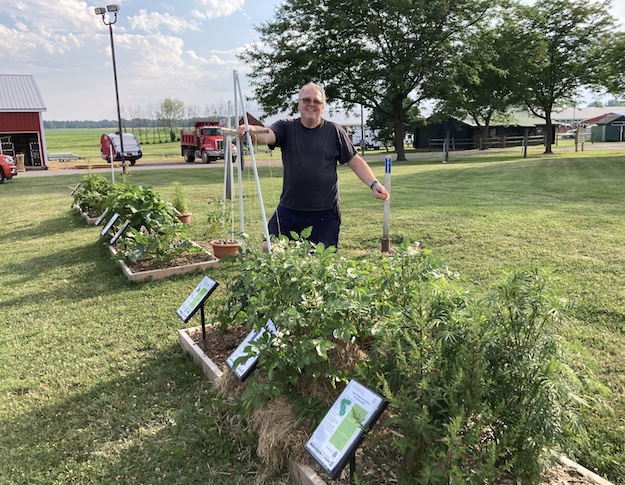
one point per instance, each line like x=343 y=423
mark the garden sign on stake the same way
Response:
x=241 y=362
x=118 y=234
x=335 y=441
x=109 y=224
x=196 y=301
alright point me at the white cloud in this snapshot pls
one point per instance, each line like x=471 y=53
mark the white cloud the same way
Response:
x=154 y=21
x=211 y=9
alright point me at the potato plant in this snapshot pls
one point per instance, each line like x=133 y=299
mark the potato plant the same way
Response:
x=478 y=385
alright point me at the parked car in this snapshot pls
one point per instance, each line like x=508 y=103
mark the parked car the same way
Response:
x=570 y=134
x=132 y=147
x=8 y=170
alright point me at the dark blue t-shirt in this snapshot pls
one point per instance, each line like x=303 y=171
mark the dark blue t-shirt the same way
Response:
x=309 y=158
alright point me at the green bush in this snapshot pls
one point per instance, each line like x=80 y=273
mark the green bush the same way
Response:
x=91 y=194
x=154 y=231
x=143 y=206
x=171 y=241
x=478 y=387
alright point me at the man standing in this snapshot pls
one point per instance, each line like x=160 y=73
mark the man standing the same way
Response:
x=311 y=148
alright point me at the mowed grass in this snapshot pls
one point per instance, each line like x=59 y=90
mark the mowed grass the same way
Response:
x=95 y=388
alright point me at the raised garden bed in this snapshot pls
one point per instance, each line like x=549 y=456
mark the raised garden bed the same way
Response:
x=567 y=472
x=90 y=220
x=178 y=266
x=302 y=474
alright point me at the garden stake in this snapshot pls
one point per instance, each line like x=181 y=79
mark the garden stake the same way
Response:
x=352 y=464
x=203 y=325
x=387 y=207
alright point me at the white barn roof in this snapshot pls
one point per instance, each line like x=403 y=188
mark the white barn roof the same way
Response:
x=18 y=92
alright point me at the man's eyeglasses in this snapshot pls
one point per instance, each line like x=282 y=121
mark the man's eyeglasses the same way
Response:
x=316 y=102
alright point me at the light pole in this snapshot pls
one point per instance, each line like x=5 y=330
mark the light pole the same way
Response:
x=102 y=11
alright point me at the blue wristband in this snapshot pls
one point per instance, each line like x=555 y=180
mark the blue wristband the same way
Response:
x=373 y=184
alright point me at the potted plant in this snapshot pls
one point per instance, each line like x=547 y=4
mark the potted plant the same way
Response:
x=223 y=244
x=180 y=204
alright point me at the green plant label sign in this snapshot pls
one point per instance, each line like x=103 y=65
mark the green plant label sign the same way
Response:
x=196 y=299
x=237 y=361
x=109 y=224
x=342 y=429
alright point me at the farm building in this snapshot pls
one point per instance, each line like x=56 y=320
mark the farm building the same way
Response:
x=608 y=127
x=466 y=135
x=583 y=115
x=21 y=123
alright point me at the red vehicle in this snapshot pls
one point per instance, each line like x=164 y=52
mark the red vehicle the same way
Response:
x=206 y=142
x=8 y=170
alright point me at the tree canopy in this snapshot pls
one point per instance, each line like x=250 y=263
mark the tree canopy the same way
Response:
x=383 y=55
x=560 y=42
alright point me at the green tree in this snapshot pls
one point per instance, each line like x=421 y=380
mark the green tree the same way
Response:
x=379 y=54
x=482 y=85
x=170 y=112
x=613 y=73
x=558 y=44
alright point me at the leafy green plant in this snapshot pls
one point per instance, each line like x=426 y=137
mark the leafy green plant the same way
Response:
x=216 y=228
x=179 y=200
x=477 y=387
x=143 y=206
x=92 y=193
x=161 y=247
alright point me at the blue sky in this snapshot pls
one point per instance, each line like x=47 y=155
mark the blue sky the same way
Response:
x=184 y=49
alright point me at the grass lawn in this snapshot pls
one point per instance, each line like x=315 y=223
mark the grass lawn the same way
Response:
x=94 y=387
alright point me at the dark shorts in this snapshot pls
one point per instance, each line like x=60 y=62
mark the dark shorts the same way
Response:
x=325 y=224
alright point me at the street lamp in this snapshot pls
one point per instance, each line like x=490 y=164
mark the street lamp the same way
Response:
x=102 y=11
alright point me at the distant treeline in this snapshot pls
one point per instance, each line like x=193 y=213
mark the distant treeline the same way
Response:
x=57 y=125
x=147 y=130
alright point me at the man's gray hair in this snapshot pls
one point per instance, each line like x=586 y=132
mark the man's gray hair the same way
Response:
x=312 y=85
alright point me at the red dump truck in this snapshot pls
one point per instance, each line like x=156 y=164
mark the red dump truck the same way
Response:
x=206 y=142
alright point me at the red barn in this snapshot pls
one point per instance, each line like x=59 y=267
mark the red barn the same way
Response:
x=21 y=122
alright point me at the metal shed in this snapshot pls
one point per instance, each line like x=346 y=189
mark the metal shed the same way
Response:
x=21 y=122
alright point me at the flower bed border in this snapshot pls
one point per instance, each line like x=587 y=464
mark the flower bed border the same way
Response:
x=161 y=274
x=90 y=220
x=302 y=474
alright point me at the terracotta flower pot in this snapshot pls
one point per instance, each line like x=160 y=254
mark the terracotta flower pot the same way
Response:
x=184 y=218
x=222 y=249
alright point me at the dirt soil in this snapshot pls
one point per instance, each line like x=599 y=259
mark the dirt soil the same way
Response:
x=190 y=258
x=219 y=345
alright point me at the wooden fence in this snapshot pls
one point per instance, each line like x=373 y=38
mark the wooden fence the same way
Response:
x=484 y=143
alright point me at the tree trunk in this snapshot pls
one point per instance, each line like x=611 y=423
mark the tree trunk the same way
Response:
x=398 y=125
x=549 y=133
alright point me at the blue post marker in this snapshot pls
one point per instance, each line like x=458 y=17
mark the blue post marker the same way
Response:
x=386 y=243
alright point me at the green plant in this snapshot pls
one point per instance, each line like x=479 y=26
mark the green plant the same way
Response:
x=161 y=247
x=477 y=387
x=219 y=213
x=143 y=206
x=92 y=193
x=179 y=199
